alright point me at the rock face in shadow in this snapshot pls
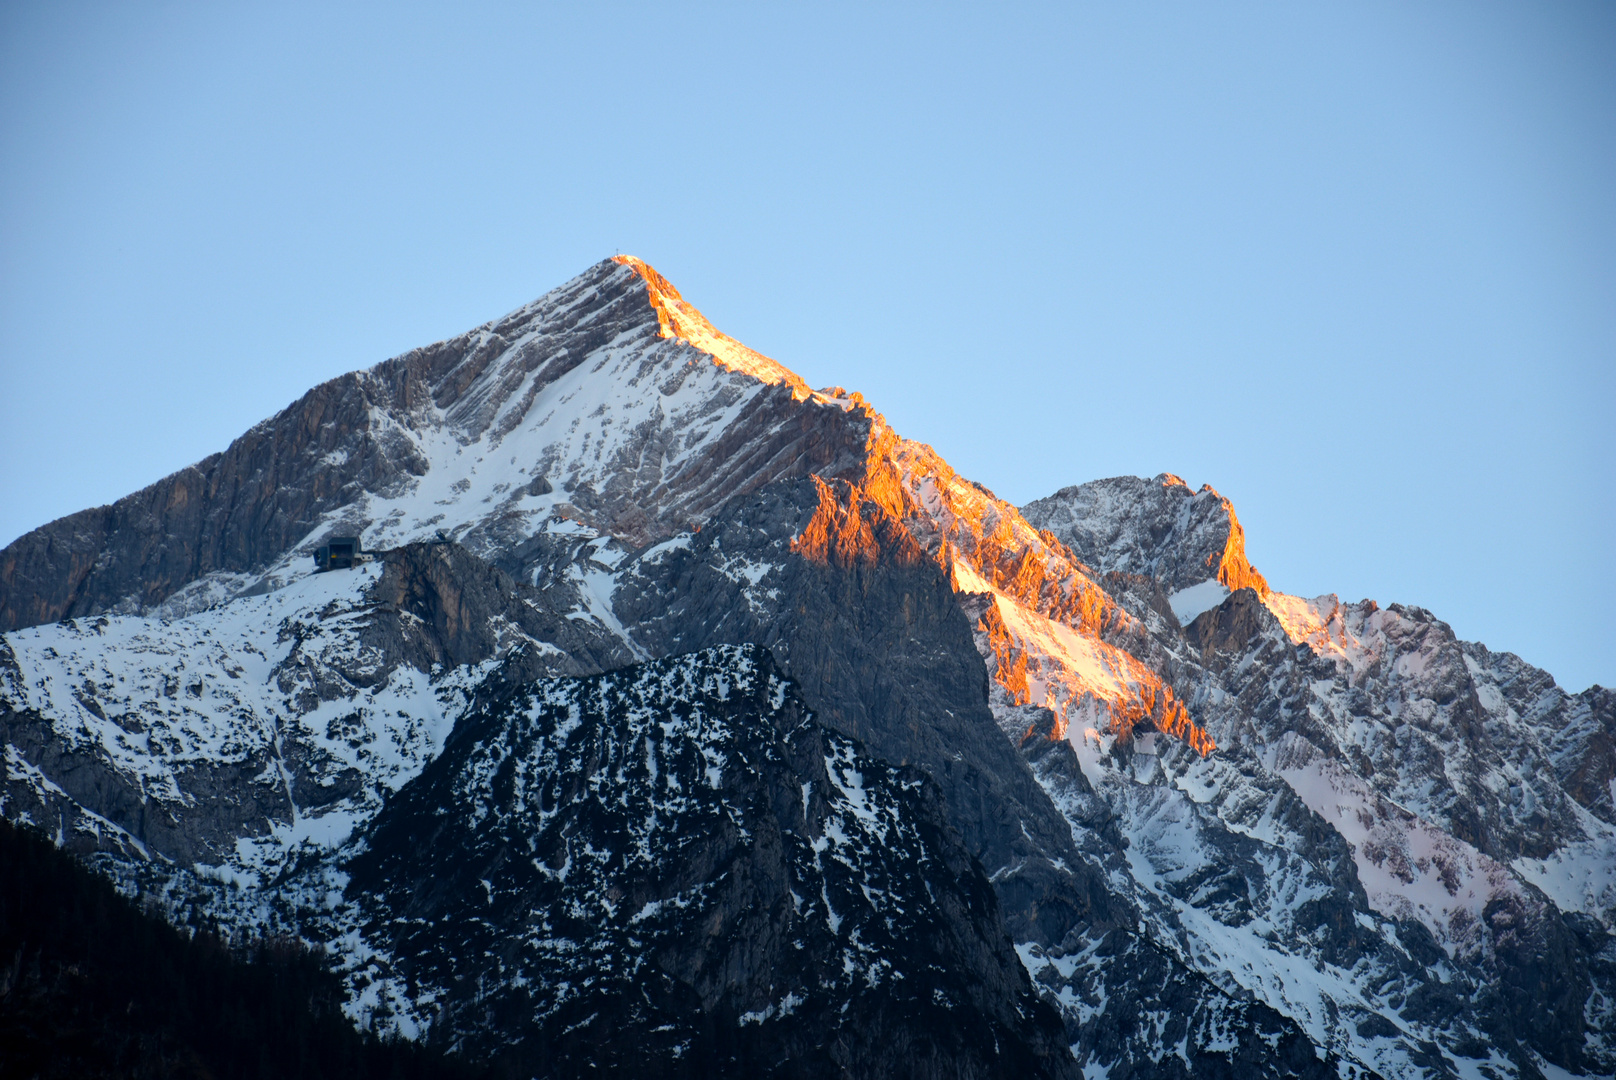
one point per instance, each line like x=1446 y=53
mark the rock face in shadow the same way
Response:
x=177 y=740
x=671 y=869
x=1231 y=627
x=439 y=606
x=233 y=511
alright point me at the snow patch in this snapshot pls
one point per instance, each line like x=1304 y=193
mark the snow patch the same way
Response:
x=1190 y=602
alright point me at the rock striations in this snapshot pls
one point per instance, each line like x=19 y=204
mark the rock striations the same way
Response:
x=693 y=722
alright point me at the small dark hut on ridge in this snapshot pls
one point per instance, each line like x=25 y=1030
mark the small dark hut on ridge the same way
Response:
x=339 y=553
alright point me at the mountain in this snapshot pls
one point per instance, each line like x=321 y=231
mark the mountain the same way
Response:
x=693 y=717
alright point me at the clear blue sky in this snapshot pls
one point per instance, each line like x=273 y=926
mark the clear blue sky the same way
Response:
x=1353 y=264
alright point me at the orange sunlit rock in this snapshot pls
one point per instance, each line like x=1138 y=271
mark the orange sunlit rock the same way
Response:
x=678 y=318
x=1155 y=702
x=850 y=529
x=1176 y=722
x=1010 y=662
x=1028 y=661
x=972 y=532
x=905 y=502
x=1234 y=570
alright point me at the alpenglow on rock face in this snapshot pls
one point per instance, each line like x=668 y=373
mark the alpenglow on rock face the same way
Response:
x=694 y=722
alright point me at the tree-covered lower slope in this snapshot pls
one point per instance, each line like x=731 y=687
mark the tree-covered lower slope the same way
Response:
x=92 y=986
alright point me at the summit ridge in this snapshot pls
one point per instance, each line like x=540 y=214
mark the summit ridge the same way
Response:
x=679 y=319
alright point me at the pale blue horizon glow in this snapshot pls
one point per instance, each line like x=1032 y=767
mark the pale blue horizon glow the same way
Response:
x=1353 y=265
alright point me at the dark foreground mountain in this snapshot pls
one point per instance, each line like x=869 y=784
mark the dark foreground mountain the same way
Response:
x=92 y=986
x=671 y=870
x=1223 y=830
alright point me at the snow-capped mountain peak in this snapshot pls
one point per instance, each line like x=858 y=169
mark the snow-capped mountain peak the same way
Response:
x=1218 y=823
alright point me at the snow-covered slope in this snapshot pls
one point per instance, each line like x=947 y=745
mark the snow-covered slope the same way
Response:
x=234 y=739
x=169 y=707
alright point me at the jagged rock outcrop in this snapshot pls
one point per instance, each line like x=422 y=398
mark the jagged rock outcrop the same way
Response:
x=1158 y=528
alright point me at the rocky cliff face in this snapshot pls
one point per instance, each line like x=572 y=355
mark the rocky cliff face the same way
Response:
x=1221 y=828
x=1155 y=528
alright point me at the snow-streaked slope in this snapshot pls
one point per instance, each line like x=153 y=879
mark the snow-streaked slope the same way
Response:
x=1409 y=868
x=642 y=436
x=689 y=791
x=250 y=687
x=584 y=407
x=1431 y=764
